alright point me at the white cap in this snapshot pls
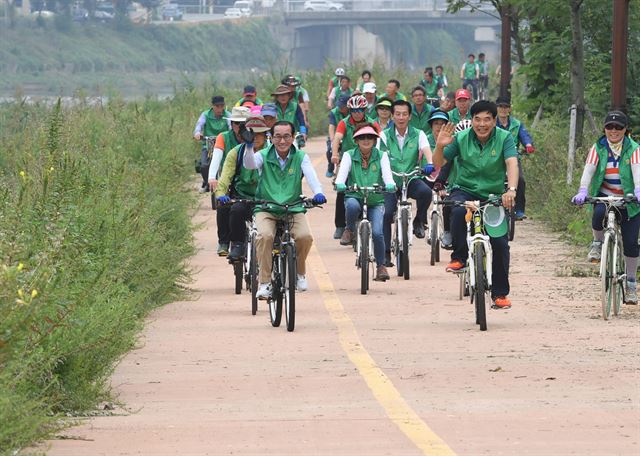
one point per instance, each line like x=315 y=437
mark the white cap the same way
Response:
x=369 y=87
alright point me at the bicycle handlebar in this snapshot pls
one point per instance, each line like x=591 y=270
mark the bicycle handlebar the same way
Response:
x=372 y=189
x=477 y=204
x=612 y=200
x=416 y=171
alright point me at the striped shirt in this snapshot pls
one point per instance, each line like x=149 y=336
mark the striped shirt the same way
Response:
x=612 y=185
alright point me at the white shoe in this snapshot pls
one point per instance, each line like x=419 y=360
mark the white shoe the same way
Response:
x=264 y=291
x=631 y=295
x=301 y=283
x=595 y=253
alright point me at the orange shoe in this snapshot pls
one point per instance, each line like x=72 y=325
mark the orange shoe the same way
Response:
x=455 y=266
x=501 y=302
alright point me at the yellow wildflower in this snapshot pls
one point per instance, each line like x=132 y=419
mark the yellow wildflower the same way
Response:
x=20 y=266
x=34 y=293
x=21 y=293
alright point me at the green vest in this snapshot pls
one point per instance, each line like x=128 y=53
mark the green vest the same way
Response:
x=338 y=115
x=483 y=67
x=406 y=159
x=347 y=140
x=280 y=185
x=245 y=181
x=480 y=170
x=230 y=142
x=289 y=113
x=626 y=176
x=213 y=125
x=432 y=140
x=469 y=70
x=430 y=88
x=439 y=79
x=513 y=128
x=366 y=177
x=454 y=116
x=421 y=121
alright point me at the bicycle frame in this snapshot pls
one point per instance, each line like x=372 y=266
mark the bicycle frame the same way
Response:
x=475 y=235
x=404 y=205
x=210 y=141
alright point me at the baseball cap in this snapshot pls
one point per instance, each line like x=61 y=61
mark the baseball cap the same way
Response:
x=437 y=114
x=248 y=90
x=269 y=109
x=462 y=93
x=503 y=101
x=369 y=87
x=342 y=101
x=616 y=118
x=217 y=99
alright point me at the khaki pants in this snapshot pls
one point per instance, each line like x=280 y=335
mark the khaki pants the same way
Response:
x=266 y=225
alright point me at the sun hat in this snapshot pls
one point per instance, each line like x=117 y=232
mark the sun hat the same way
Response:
x=248 y=90
x=366 y=131
x=282 y=90
x=256 y=123
x=238 y=114
x=617 y=118
x=384 y=104
x=437 y=114
x=269 y=109
x=369 y=87
x=462 y=93
x=256 y=109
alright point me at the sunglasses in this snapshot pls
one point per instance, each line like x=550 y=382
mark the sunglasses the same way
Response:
x=357 y=110
x=613 y=127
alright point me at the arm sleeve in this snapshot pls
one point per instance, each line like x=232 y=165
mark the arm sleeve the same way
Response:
x=216 y=159
x=332 y=119
x=341 y=128
x=219 y=144
x=300 y=118
x=251 y=159
x=425 y=148
x=443 y=176
x=635 y=167
x=343 y=171
x=451 y=151
x=228 y=171
x=305 y=96
x=310 y=175
x=590 y=168
x=523 y=134
x=509 y=149
x=200 y=124
x=385 y=167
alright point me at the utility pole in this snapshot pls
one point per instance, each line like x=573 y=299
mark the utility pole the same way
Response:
x=619 y=55
x=505 y=58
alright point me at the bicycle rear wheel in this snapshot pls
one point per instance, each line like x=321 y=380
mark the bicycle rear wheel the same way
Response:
x=364 y=257
x=619 y=276
x=511 y=213
x=290 y=287
x=253 y=275
x=238 y=273
x=275 y=303
x=480 y=289
x=396 y=248
x=434 y=237
x=404 y=224
x=607 y=292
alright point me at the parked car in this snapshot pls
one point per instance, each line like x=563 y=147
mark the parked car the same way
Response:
x=103 y=16
x=171 y=12
x=233 y=12
x=322 y=5
x=245 y=7
x=43 y=13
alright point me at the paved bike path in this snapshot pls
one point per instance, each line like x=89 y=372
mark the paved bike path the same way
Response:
x=547 y=378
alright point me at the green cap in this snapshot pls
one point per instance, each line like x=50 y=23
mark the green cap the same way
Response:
x=495 y=221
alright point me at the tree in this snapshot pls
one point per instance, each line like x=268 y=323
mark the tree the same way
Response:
x=577 y=67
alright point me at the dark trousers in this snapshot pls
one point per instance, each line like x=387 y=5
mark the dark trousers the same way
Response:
x=222 y=219
x=204 y=165
x=339 y=219
x=628 y=226
x=238 y=215
x=521 y=201
x=330 y=165
x=419 y=191
x=500 y=246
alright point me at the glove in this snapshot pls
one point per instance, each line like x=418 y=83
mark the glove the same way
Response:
x=582 y=196
x=319 y=198
x=530 y=149
x=428 y=169
x=438 y=186
x=248 y=136
x=341 y=187
x=224 y=199
x=636 y=191
x=391 y=188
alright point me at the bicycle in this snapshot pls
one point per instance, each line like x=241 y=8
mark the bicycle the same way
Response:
x=435 y=228
x=284 y=271
x=475 y=279
x=433 y=101
x=612 y=265
x=403 y=234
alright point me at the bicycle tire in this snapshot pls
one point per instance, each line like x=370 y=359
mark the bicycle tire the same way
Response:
x=435 y=239
x=512 y=224
x=253 y=274
x=606 y=274
x=275 y=303
x=396 y=249
x=238 y=276
x=619 y=278
x=462 y=285
x=290 y=287
x=404 y=223
x=364 y=258
x=480 y=290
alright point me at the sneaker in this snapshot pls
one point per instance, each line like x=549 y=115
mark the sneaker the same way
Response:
x=301 y=283
x=264 y=291
x=520 y=215
x=329 y=173
x=387 y=260
x=501 y=302
x=455 y=266
x=595 y=252
x=223 y=250
x=347 y=237
x=446 y=240
x=337 y=234
x=418 y=230
x=630 y=293
x=381 y=274
x=236 y=252
x=204 y=188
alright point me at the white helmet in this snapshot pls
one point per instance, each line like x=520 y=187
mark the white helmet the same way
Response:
x=462 y=125
x=357 y=102
x=340 y=72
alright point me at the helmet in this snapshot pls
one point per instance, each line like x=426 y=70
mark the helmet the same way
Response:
x=291 y=80
x=462 y=125
x=357 y=102
x=340 y=72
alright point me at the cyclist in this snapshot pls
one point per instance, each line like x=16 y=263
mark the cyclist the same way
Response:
x=344 y=88
x=431 y=86
x=282 y=168
x=225 y=141
x=613 y=169
x=383 y=111
x=447 y=104
x=441 y=79
x=343 y=141
x=289 y=109
x=239 y=182
x=420 y=110
x=469 y=73
x=392 y=92
x=437 y=120
x=369 y=91
x=335 y=81
x=461 y=111
x=249 y=94
x=269 y=112
x=520 y=136
x=365 y=77
x=407 y=148
x=301 y=96
x=480 y=157
x=338 y=113
x=210 y=123
x=366 y=165
x=483 y=65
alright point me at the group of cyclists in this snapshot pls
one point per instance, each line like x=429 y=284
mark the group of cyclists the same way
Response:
x=467 y=148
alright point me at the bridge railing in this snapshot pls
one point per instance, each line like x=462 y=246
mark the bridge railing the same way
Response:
x=292 y=6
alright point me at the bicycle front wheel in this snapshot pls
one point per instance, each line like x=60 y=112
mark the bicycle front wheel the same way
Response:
x=253 y=275
x=238 y=273
x=396 y=248
x=480 y=289
x=435 y=239
x=619 y=276
x=275 y=303
x=607 y=292
x=290 y=287
x=364 y=257
x=404 y=224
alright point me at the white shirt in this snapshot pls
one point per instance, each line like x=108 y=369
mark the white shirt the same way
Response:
x=423 y=142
